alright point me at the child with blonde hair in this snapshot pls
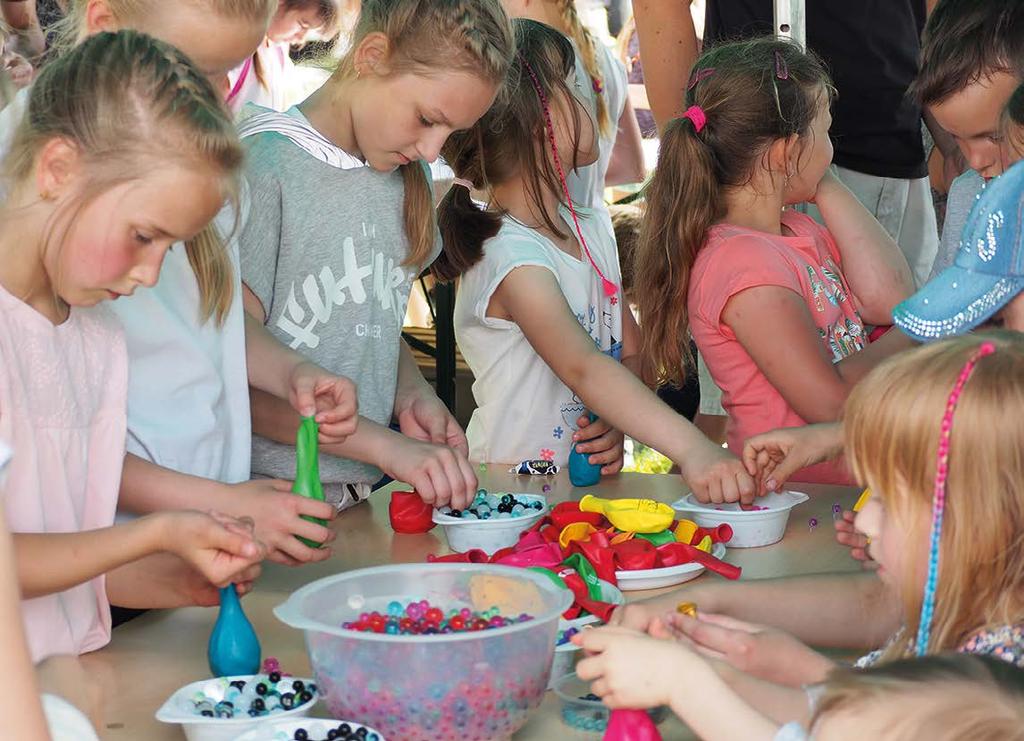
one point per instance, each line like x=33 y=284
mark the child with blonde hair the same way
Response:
x=776 y=303
x=928 y=431
x=341 y=223
x=949 y=697
x=540 y=316
x=191 y=351
x=110 y=129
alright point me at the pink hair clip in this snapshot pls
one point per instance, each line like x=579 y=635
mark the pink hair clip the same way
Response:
x=597 y=85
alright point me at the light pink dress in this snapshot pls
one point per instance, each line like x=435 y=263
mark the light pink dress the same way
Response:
x=63 y=392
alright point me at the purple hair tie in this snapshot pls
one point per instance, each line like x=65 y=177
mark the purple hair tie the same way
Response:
x=699 y=76
x=781 y=68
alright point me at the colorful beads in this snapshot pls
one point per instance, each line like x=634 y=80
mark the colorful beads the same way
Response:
x=487 y=506
x=422 y=618
x=565 y=636
x=263 y=695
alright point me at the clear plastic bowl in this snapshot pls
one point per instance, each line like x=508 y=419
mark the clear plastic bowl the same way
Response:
x=750 y=528
x=489 y=535
x=588 y=715
x=459 y=686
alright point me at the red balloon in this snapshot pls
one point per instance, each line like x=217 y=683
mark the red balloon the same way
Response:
x=409 y=514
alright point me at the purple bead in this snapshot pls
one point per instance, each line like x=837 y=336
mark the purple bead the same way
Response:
x=813 y=522
x=546 y=488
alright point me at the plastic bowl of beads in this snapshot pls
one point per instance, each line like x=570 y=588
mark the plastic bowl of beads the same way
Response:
x=431 y=651
x=566 y=652
x=763 y=524
x=492 y=522
x=221 y=709
x=311 y=729
x=584 y=711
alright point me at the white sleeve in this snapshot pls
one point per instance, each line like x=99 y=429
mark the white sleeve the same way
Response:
x=66 y=722
x=504 y=253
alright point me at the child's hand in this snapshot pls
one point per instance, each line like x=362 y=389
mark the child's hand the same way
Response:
x=221 y=548
x=628 y=669
x=771 y=458
x=641 y=614
x=602 y=441
x=716 y=475
x=331 y=398
x=423 y=416
x=277 y=516
x=440 y=475
x=853 y=539
x=763 y=652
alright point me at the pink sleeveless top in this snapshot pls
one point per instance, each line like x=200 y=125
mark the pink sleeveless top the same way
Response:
x=63 y=392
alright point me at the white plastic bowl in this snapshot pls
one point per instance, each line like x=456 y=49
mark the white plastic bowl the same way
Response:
x=566 y=655
x=665 y=576
x=489 y=535
x=750 y=528
x=178 y=709
x=317 y=727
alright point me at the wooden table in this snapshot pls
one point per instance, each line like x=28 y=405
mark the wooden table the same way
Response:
x=155 y=654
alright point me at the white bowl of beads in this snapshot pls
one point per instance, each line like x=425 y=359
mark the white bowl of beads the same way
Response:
x=492 y=521
x=219 y=709
x=567 y=652
x=311 y=729
x=763 y=523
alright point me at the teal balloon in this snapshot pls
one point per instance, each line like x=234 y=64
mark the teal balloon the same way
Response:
x=234 y=648
x=581 y=471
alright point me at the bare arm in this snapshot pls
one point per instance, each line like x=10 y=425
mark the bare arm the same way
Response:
x=24 y=714
x=668 y=49
x=627 y=162
x=804 y=374
x=53 y=562
x=872 y=262
x=530 y=296
x=846 y=611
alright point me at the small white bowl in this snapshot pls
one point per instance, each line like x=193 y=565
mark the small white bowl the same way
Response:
x=665 y=576
x=564 y=661
x=318 y=728
x=489 y=535
x=750 y=528
x=178 y=709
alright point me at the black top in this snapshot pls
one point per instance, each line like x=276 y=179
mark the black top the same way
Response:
x=871 y=48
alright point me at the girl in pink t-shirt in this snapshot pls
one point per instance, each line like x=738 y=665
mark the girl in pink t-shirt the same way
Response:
x=776 y=303
x=124 y=149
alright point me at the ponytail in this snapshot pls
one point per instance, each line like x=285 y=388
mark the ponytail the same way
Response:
x=418 y=214
x=684 y=198
x=464 y=229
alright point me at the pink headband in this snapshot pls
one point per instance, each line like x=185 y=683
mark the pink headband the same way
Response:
x=696 y=115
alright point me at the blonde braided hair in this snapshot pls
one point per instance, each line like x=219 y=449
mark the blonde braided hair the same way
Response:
x=573 y=27
x=131 y=103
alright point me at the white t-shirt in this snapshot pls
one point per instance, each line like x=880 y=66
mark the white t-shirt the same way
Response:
x=65 y=721
x=586 y=185
x=276 y=68
x=524 y=411
x=188 y=388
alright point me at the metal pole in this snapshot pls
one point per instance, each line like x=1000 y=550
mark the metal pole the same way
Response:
x=790 y=20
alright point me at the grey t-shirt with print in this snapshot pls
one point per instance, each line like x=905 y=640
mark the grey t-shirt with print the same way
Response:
x=322 y=248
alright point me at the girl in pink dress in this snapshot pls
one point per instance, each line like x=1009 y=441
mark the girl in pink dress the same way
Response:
x=124 y=149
